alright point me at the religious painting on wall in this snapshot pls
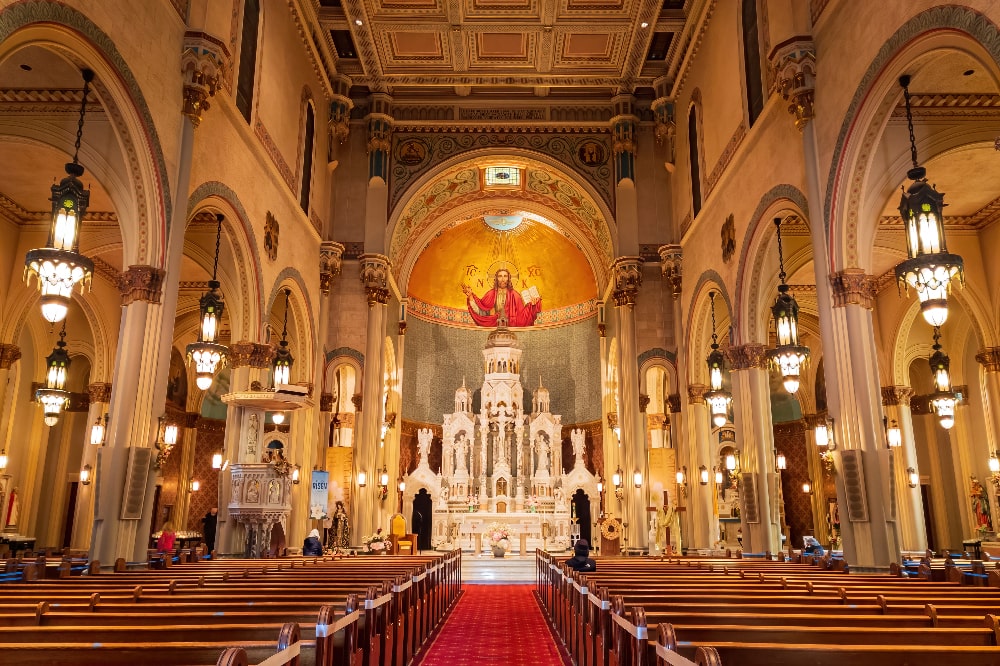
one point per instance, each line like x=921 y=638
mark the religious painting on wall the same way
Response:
x=503 y=268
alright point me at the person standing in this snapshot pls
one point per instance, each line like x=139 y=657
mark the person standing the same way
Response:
x=210 y=522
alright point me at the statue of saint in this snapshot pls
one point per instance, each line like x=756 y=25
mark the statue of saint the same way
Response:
x=340 y=532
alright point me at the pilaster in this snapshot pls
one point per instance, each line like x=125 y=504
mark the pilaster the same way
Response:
x=909 y=506
x=703 y=518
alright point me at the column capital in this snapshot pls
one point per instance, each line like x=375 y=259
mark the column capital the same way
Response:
x=989 y=358
x=810 y=421
x=402 y=328
x=643 y=402
x=893 y=396
x=341 y=104
x=375 y=278
x=326 y=402
x=99 y=392
x=674 y=403
x=671 y=257
x=8 y=355
x=250 y=354
x=204 y=62
x=141 y=283
x=794 y=65
x=331 y=256
x=852 y=286
x=696 y=394
x=745 y=357
x=627 y=272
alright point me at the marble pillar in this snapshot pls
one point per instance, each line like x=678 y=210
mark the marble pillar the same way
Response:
x=909 y=506
x=701 y=503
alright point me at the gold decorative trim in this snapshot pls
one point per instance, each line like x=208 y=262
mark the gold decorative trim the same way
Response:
x=141 y=283
x=745 y=357
x=852 y=286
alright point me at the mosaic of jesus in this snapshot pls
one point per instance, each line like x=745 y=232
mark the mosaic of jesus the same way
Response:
x=503 y=306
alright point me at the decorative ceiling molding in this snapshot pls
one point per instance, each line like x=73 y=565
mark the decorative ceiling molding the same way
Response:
x=975 y=105
x=12 y=210
x=981 y=219
x=39 y=100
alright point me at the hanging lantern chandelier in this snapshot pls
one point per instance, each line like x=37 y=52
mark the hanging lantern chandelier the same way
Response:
x=59 y=266
x=943 y=399
x=207 y=354
x=283 y=360
x=929 y=267
x=718 y=398
x=788 y=356
x=53 y=396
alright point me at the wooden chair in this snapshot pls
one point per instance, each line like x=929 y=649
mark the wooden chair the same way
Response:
x=403 y=543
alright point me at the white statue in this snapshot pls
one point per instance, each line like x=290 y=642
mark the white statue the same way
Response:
x=543 y=454
x=579 y=439
x=462 y=452
x=424 y=437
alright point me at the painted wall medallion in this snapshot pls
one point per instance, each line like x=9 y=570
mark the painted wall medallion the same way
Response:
x=271 y=236
x=728 y=239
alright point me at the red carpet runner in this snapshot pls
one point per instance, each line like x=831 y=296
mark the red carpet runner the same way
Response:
x=494 y=625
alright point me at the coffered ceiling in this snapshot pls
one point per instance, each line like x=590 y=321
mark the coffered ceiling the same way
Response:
x=540 y=47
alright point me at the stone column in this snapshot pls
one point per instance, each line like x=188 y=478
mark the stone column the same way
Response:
x=755 y=438
x=868 y=528
x=133 y=423
x=375 y=277
x=330 y=261
x=627 y=273
x=817 y=474
x=909 y=506
x=83 y=519
x=9 y=354
x=989 y=358
x=701 y=502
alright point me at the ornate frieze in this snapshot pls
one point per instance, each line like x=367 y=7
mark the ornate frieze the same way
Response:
x=99 y=392
x=204 y=63
x=989 y=358
x=375 y=276
x=671 y=267
x=696 y=394
x=893 y=396
x=250 y=354
x=627 y=273
x=794 y=66
x=331 y=255
x=745 y=357
x=141 y=283
x=852 y=286
x=8 y=355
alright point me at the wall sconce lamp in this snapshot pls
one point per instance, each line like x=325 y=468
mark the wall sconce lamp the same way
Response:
x=99 y=431
x=731 y=462
x=807 y=488
x=637 y=479
x=780 y=462
x=681 y=478
x=720 y=478
x=166 y=440
x=295 y=475
x=84 y=475
x=893 y=435
x=824 y=434
x=362 y=479
x=383 y=484
x=703 y=475
x=278 y=418
x=3 y=459
x=217 y=460
x=194 y=486
x=912 y=477
x=401 y=486
x=616 y=481
x=994 y=463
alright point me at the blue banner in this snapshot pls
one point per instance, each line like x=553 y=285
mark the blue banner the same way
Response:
x=319 y=495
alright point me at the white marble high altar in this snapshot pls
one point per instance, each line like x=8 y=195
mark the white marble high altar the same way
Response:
x=502 y=464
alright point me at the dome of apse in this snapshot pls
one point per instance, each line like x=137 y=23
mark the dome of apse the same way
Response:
x=542 y=261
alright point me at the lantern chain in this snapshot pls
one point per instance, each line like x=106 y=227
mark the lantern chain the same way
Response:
x=218 y=241
x=905 y=82
x=715 y=337
x=88 y=76
x=284 y=326
x=781 y=257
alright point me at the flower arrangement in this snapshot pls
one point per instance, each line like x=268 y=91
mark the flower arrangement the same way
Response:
x=499 y=535
x=533 y=504
x=375 y=543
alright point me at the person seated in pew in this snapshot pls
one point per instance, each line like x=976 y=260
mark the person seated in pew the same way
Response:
x=580 y=560
x=813 y=547
x=312 y=545
x=165 y=544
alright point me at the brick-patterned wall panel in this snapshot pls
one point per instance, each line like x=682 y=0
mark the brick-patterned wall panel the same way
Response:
x=567 y=358
x=170 y=480
x=211 y=437
x=790 y=439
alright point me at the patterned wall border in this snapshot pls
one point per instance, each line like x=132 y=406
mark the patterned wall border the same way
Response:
x=782 y=192
x=442 y=314
x=23 y=14
x=346 y=351
x=657 y=352
x=442 y=147
x=271 y=148
x=214 y=188
x=961 y=19
x=725 y=158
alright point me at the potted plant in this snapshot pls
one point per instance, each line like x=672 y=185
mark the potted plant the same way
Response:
x=376 y=543
x=499 y=535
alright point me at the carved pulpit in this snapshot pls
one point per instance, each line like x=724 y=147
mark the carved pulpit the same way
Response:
x=260 y=479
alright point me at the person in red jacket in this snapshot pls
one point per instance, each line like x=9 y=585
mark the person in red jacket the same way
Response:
x=165 y=544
